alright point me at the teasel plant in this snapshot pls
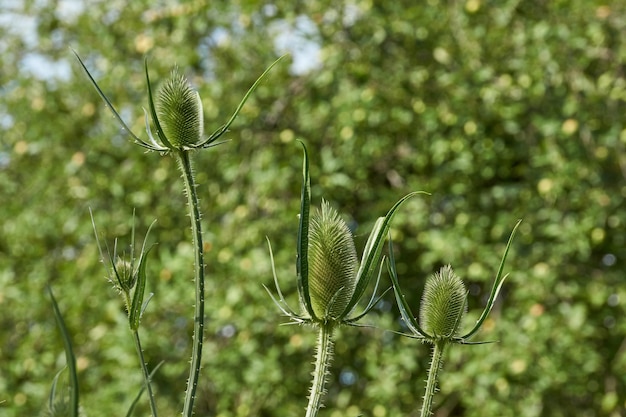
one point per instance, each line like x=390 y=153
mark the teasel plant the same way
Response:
x=441 y=313
x=175 y=126
x=127 y=273
x=330 y=279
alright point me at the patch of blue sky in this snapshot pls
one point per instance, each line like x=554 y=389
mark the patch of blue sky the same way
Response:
x=300 y=38
x=18 y=22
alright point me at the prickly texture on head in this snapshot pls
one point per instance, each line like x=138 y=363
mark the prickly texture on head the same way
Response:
x=180 y=111
x=443 y=304
x=333 y=263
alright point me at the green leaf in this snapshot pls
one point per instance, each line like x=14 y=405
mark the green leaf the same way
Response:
x=495 y=289
x=137 y=305
x=70 y=359
x=53 y=389
x=302 y=261
x=403 y=306
x=373 y=250
x=374 y=299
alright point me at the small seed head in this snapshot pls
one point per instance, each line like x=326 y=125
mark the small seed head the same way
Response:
x=125 y=277
x=443 y=304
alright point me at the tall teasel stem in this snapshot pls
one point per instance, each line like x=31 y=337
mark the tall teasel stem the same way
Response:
x=128 y=276
x=182 y=157
x=177 y=121
x=323 y=358
x=433 y=373
x=146 y=374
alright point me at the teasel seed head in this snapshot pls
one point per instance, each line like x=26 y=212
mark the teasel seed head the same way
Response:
x=444 y=304
x=333 y=264
x=125 y=276
x=180 y=111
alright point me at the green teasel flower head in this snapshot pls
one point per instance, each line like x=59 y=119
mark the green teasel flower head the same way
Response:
x=177 y=117
x=444 y=303
x=331 y=281
x=333 y=263
x=179 y=109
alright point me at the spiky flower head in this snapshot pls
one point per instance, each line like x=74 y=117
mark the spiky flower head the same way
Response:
x=333 y=263
x=180 y=111
x=443 y=304
x=125 y=276
x=180 y=108
x=128 y=274
x=331 y=281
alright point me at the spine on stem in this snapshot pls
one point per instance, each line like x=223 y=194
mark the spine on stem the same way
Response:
x=184 y=162
x=433 y=373
x=323 y=358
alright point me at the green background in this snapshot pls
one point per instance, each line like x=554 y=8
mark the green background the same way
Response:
x=500 y=109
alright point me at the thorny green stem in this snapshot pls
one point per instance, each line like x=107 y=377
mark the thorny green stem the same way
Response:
x=146 y=374
x=433 y=372
x=198 y=326
x=322 y=362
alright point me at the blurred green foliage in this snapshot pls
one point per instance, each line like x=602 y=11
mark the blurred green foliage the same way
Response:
x=501 y=109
